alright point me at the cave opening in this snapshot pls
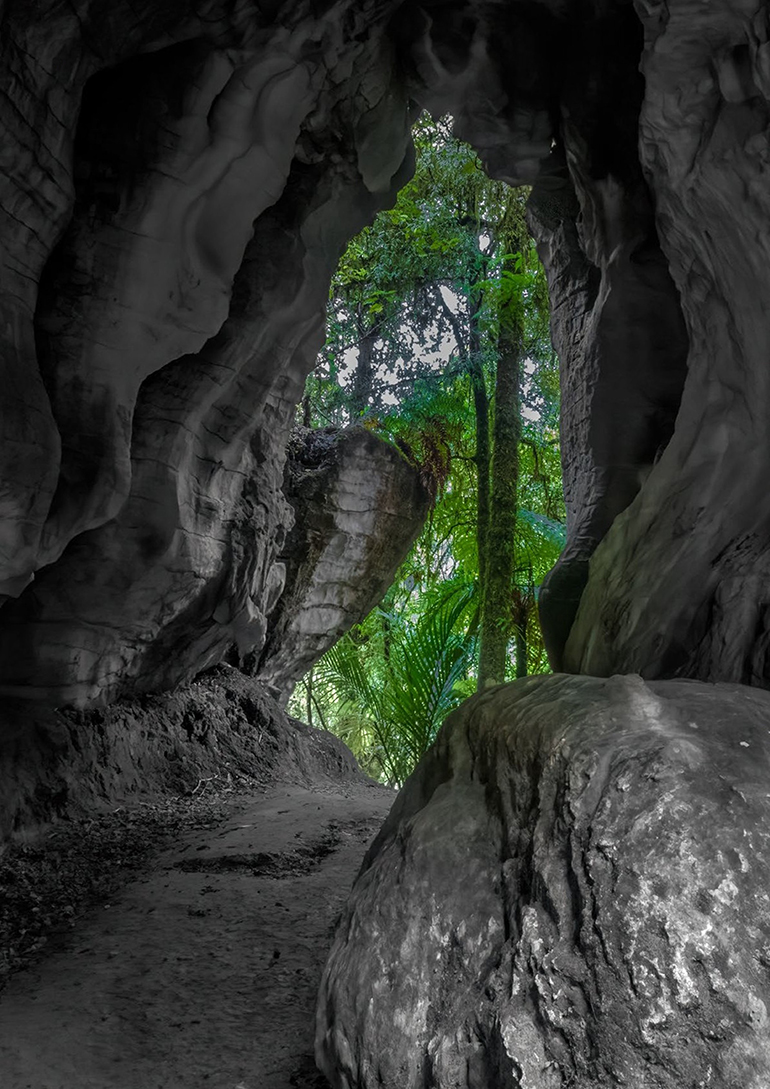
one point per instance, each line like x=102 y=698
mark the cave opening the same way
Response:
x=215 y=193
x=438 y=340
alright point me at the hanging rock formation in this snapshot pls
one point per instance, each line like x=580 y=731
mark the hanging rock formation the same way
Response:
x=359 y=505
x=172 y=228
x=570 y=890
x=176 y=190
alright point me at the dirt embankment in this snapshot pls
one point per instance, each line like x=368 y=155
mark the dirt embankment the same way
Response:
x=175 y=940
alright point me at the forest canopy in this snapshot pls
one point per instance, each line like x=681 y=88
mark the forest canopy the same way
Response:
x=438 y=340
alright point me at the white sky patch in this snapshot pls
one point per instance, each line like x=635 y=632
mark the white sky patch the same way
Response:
x=451 y=299
x=349 y=362
x=530 y=414
x=436 y=359
x=423 y=348
x=388 y=377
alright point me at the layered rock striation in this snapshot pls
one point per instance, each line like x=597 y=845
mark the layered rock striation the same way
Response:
x=201 y=176
x=570 y=890
x=359 y=506
x=176 y=189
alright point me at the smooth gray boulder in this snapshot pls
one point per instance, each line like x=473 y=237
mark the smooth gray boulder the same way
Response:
x=571 y=890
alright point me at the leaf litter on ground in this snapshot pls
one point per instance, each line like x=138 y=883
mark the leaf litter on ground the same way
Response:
x=49 y=881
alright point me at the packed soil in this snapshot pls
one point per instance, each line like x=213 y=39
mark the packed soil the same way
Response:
x=178 y=945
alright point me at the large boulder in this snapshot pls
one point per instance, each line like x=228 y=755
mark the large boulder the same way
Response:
x=571 y=890
x=359 y=504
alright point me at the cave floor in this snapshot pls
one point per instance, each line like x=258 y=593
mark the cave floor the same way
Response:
x=202 y=972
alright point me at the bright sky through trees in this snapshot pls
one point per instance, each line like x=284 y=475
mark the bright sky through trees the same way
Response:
x=433 y=358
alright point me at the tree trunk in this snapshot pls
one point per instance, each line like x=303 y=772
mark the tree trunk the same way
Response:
x=363 y=382
x=497 y=581
x=481 y=411
x=522 y=607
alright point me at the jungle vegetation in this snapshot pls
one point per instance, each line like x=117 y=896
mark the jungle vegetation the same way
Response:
x=438 y=339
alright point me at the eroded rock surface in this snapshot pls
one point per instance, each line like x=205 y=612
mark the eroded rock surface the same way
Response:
x=359 y=505
x=193 y=217
x=177 y=187
x=677 y=584
x=570 y=890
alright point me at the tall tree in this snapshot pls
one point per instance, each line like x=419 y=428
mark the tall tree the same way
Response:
x=498 y=583
x=442 y=305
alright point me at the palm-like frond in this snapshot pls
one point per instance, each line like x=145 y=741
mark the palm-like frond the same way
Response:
x=390 y=718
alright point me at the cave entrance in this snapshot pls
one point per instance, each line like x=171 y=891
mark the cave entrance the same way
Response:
x=438 y=340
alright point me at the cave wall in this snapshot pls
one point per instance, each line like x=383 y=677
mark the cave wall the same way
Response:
x=176 y=189
x=617 y=322
x=679 y=584
x=207 y=180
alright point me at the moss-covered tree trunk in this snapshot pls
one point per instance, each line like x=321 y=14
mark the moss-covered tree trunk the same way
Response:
x=481 y=412
x=499 y=547
x=363 y=380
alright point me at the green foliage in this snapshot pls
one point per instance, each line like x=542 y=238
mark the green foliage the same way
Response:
x=388 y=690
x=421 y=303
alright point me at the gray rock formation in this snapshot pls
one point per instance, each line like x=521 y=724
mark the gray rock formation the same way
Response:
x=359 y=505
x=171 y=229
x=570 y=891
x=176 y=189
x=678 y=584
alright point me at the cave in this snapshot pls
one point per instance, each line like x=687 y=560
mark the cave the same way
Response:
x=178 y=184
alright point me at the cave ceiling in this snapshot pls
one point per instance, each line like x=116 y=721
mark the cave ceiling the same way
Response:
x=178 y=183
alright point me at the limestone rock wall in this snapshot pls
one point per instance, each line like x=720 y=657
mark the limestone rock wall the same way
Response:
x=172 y=231
x=176 y=187
x=570 y=890
x=359 y=506
x=679 y=585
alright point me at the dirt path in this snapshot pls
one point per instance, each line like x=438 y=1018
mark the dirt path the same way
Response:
x=202 y=973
